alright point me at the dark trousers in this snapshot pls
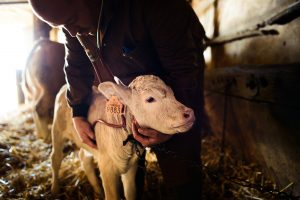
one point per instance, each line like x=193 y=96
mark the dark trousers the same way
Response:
x=180 y=163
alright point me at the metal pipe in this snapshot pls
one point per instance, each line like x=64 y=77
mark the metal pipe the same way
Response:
x=282 y=17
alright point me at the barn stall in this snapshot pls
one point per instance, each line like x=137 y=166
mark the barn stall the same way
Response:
x=250 y=143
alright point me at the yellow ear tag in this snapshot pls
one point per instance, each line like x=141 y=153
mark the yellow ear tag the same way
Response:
x=114 y=106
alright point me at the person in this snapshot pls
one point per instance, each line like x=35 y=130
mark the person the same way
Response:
x=138 y=37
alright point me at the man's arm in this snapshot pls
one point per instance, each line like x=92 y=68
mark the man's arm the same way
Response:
x=79 y=77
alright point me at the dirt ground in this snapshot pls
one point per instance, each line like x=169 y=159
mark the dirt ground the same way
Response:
x=25 y=169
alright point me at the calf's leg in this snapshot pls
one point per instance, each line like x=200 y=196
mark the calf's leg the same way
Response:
x=42 y=117
x=111 y=180
x=128 y=180
x=56 y=156
x=87 y=163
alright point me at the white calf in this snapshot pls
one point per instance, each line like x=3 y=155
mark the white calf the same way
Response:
x=147 y=100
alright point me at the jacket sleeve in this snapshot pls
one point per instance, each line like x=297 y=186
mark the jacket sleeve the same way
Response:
x=177 y=36
x=79 y=76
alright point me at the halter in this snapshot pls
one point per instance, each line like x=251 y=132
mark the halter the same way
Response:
x=129 y=138
x=123 y=125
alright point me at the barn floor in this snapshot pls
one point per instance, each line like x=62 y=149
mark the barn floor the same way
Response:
x=25 y=171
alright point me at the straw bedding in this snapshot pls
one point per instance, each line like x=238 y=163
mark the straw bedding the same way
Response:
x=25 y=169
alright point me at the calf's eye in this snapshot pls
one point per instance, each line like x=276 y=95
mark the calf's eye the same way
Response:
x=150 y=100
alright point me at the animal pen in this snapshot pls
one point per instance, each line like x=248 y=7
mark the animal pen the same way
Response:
x=251 y=135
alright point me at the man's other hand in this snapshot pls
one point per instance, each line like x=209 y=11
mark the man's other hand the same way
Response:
x=85 y=132
x=148 y=137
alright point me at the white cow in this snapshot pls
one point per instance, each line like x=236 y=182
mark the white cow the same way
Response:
x=148 y=101
x=42 y=79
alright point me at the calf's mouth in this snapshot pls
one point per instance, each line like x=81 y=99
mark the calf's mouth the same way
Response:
x=183 y=127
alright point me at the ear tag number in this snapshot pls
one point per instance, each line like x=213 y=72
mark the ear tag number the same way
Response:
x=114 y=106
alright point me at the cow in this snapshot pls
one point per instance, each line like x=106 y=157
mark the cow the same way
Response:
x=148 y=101
x=42 y=79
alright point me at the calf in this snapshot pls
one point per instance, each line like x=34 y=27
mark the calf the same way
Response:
x=42 y=79
x=148 y=101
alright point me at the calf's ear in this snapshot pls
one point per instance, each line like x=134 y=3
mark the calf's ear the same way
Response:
x=109 y=89
x=95 y=89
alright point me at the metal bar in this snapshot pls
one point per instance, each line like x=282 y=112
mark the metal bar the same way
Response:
x=13 y=2
x=239 y=36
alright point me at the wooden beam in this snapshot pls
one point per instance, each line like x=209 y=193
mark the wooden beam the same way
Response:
x=273 y=84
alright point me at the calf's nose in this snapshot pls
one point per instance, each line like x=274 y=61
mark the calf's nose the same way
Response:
x=188 y=114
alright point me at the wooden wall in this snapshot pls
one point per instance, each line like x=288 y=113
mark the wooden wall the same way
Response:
x=261 y=78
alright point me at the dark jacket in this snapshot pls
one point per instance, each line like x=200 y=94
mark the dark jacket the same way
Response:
x=163 y=38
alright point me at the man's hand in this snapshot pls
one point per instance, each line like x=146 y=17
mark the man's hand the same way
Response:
x=148 y=137
x=85 y=132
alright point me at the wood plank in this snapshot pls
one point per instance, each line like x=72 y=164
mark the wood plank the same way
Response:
x=262 y=120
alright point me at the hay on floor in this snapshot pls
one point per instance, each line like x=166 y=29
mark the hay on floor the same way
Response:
x=25 y=170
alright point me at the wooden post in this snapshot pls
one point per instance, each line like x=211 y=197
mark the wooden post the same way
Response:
x=40 y=29
x=20 y=93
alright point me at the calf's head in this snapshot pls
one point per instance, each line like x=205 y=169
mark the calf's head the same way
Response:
x=152 y=103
